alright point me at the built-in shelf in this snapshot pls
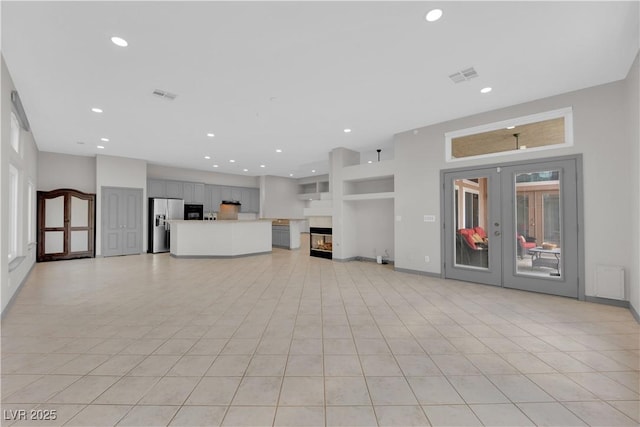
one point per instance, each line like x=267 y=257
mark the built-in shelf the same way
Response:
x=369 y=196
x=312 y=188
x=376 y=185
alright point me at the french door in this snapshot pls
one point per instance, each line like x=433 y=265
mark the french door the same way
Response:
x=515 y=226
x=66 y=225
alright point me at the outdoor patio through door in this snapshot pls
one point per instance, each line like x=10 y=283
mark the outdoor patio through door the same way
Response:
x=514 y=225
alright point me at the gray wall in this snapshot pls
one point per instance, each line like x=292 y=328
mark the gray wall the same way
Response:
x=633 y=90
x=57 y=170
x=601 y=133
x=179 y=174
x=278 y=198
x=373 y=227
x=27 y=164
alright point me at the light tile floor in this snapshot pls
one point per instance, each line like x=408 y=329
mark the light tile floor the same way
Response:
x=288 y=340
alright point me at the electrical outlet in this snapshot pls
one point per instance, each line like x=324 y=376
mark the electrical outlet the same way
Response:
x=426 y=258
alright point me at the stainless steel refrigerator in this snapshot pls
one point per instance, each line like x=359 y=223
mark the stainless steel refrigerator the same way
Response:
x=161 y=211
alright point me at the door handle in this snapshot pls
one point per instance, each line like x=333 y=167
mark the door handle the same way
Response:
x=496 y=233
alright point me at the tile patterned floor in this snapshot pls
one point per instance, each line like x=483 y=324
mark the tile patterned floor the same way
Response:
x=288 y=340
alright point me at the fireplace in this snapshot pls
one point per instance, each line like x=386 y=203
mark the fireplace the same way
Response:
x=321 y=242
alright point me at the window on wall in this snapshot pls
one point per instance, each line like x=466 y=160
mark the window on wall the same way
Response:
x=543 y=131
x=13 y=212
x=15 y=133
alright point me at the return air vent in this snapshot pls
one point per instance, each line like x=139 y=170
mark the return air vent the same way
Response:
x=164 y=94
x=463 y=75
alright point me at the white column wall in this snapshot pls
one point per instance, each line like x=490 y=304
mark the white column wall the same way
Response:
x=120 y=172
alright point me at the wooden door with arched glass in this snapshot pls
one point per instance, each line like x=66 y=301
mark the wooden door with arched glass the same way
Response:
x=66 y=225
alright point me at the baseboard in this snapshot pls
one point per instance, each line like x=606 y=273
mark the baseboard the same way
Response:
x=365 y=259
x=15 y=294
x=218 y=256
x=421 y=273
x=634 y=313
x=353 y=258
x=607 y=301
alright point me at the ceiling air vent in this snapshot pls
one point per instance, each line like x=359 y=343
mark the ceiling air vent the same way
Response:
x=464 y=75
x=164 y=94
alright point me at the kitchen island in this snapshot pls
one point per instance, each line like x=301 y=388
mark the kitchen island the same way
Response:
x=219 y=239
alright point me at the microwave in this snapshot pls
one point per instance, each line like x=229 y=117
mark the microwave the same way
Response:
x=193 y=212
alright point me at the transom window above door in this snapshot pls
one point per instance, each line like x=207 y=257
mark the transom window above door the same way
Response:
x=544 y=131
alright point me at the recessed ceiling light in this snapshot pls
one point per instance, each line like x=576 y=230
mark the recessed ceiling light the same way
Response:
x=290 y=174
x=511 y=127
x=313 y=171
x=262 y=166
x=278 y=150
x=104 y=139
x=485 y=90
x=207 y=157
x=370 y=161
x=101 y=147
x=246 y=170
x=96 y=110
x=119 y=41
x=215 y=166
x=210 y=135
x=433 y=15
x=232 y=161
x=347 y=131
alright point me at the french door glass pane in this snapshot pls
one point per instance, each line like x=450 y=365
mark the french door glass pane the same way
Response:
x=79 y=212
x=538 y=234
x=471 y=213
x=54 y=209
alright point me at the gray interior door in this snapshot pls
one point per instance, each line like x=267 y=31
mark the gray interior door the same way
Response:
x=529 y=213
x=121 y=221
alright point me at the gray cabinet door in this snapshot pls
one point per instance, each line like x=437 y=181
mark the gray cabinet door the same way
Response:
x=198 y=193
x=187 y=191
x=121 y=221
x=175 y=189
x=216 y=197
x=236 y=193
x=254 y=202
x=225 y=193
x=156 y=188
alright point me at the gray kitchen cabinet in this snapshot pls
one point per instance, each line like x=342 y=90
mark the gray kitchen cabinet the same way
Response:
x=216 y=197
x=175 y=190
x=198 y=193
x=225 y=193
x=156 y=188
x=236 y=193
x=255 y=200
x=245 y=200
x=187 y=192
x=280 y=236
x=193 y=192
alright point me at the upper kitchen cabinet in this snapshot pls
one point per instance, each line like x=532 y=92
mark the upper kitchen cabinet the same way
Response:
x=175 y=189
x=250 y=200
x=156 y=188
x=193 y=192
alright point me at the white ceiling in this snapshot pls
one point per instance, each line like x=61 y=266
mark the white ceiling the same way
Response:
x=292 y=75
